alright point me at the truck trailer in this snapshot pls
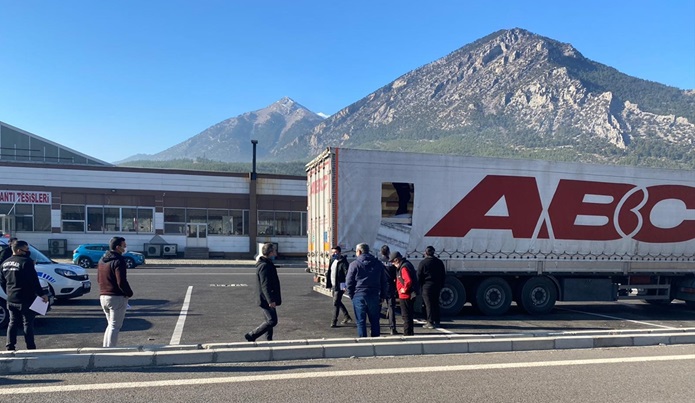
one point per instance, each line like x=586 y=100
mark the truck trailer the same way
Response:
x=525 y=231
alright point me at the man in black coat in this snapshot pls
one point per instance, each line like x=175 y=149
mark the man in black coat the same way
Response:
x=21 y=284
x=335 y=281
x=431 y=274
x=269 y=296
x=391 y=273
x=7 y=252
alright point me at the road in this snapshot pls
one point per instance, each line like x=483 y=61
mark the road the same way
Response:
x=220 y=310
x=637 y=374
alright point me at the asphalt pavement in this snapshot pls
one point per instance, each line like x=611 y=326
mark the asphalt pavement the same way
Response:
x=219 y=313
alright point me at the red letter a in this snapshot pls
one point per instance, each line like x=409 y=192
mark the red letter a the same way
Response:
x=523 y=206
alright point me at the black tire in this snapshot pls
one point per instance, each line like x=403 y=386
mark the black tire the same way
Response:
x=85 y=262
x=538 y=295
x=129 y=262
x=493 y=296
x=4 y=314
x=452 y=297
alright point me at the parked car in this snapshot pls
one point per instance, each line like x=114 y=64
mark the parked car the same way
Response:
x=5 y=314
x=65 y=281
x=87 y=255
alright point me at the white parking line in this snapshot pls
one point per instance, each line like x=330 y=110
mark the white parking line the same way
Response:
x=178 y=330
x=617 y=318
x=334 y=374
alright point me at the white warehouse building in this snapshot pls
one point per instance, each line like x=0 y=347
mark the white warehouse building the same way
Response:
x=57 y=198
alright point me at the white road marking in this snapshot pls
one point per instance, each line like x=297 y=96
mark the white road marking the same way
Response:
x=617 y=318
x=336 y=374
x=178 y=330
x=439 y=329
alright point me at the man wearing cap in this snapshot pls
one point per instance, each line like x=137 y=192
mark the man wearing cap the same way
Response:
x=431 y=274
x=21 y=284
x=367 y=285
x=406 y=285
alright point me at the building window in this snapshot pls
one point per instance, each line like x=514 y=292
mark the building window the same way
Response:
x=72 y=218
x=281 y=223
x=219 y=221
x=111 y=219
x=28 y=217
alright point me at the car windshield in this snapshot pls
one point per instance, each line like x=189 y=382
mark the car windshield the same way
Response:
x=38 y=257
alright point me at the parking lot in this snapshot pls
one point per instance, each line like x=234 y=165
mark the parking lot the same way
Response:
x=220 y=309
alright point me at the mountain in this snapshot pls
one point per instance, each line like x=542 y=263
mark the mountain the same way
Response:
x=515 y=93
x=511 y=94
x=230 y=140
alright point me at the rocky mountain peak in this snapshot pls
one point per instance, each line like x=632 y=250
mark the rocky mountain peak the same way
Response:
x=511 y=92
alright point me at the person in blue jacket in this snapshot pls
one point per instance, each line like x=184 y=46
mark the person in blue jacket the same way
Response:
x=367 y=285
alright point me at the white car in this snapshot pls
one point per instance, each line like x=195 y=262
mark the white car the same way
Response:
x=4 y=313
x=64 y=280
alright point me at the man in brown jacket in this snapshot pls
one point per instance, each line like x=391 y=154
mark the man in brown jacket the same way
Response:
x=114 y=289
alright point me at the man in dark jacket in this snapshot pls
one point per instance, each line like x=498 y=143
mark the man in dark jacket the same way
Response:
x=114 y=289
x=268 y=291
x=7 y=252
x=335 y=281
x=21 y=284
x=391 y=272
x=431 y=274
x=367 y=285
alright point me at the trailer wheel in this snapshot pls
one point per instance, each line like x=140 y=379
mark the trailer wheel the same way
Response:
x=493 y=296
x=452 y=298
x=538 y=295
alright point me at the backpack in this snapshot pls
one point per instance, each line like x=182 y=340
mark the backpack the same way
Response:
x=415 y=285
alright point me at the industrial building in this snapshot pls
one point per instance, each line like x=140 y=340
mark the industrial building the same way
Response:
x=57 y=198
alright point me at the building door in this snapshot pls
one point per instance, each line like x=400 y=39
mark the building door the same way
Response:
x=7 y=225
x=197 y=235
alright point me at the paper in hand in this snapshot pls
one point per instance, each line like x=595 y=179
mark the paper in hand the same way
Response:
x=39 y=306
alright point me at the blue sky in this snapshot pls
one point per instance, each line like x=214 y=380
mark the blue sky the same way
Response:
x=115 y=78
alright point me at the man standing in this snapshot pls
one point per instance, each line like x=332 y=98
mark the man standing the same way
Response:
x=21 y=284
x=406 y=286
x=392 y=294
x=268 y=291
x=114 y=289
x=7 y=252
x=335 y=281
x=367 y=285
x=431 y=275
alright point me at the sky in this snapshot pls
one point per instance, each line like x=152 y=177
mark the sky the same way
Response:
x=111 y=79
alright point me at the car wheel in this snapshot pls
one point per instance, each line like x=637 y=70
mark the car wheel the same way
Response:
x=129 y=262
x=85 y=262
x=4 y=314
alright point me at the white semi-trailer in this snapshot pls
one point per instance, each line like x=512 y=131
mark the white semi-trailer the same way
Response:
x=533 y=232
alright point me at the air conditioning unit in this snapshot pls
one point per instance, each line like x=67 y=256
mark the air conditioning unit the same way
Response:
x=153 y=250
x=169 y=250
x=57 y=247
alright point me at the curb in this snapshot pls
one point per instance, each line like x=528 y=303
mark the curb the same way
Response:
x=99 y=359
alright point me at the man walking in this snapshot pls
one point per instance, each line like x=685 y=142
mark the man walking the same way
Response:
x=335 y=281
x=367 y=285
x=431 y=274
x=114 y=289
x=268 y=293
x=21 y=284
